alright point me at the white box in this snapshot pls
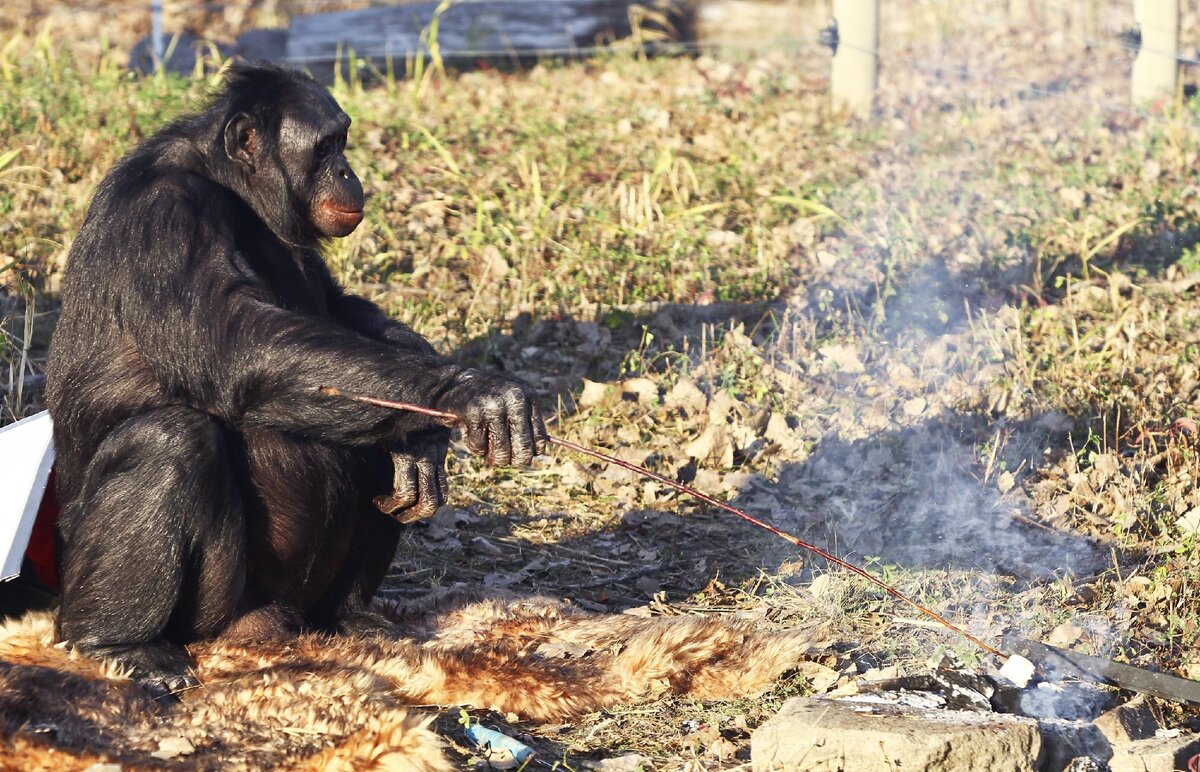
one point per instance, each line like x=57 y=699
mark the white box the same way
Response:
x=26 y=456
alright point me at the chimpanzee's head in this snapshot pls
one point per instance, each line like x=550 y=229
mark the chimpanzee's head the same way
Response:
x=284 y=138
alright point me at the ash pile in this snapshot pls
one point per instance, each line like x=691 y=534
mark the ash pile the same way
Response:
x=1019 y=717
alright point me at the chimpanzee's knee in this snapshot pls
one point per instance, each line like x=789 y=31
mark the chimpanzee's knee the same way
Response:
x=153 y=546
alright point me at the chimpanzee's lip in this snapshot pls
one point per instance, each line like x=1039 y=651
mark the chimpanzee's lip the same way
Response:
x=346 y=217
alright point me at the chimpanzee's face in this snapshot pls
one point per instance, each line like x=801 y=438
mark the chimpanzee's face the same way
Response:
x=315 y=139
x=297 y=165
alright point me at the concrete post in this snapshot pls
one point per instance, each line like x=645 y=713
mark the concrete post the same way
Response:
x=1156 y=69
x=856 y=63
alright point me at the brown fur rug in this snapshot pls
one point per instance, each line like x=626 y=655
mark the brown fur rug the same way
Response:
x=334 y=703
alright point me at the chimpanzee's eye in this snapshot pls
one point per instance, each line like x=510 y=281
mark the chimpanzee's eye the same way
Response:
x=332 y=144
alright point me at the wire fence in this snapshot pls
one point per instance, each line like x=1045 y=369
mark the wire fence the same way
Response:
x=1119 y=37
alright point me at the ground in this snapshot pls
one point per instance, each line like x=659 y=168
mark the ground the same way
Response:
x=956 y=344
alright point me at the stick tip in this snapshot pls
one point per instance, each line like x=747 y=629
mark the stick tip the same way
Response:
x=330 y=391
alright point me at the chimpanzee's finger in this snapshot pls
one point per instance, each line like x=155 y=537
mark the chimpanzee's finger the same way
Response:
x=499 y=441
x=406 y=487
x=404 y=491
x=521 y=431
x=475 y=432
x=443 y=484
x=434 y=473
x=429 y=497
x=541 y=438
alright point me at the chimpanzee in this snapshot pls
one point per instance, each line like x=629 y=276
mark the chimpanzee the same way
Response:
x=207 y=485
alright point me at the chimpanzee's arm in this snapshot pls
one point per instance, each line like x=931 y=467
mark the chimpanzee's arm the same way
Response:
x=206 y=325
x=367 y=319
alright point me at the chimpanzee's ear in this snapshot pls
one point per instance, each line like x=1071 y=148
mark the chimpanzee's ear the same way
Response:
x=241 y=141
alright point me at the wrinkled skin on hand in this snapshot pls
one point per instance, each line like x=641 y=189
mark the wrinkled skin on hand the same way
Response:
x=419 y=486
x=500 y=417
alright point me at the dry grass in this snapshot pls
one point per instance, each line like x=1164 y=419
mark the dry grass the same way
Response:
x=957 y=345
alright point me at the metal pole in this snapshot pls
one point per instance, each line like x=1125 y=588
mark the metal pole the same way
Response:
x=855 y=71
x=156 y=33
x=1156 y=69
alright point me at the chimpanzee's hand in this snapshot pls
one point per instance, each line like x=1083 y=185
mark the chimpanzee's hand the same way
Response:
x=419 y=483
x=500 y=418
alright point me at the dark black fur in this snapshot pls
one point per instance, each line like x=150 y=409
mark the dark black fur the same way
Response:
x=206 y=484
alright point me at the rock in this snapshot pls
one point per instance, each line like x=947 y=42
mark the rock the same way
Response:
x=1157 y=754
x=1064 y=741
x=820 y=734
x=1124 y=724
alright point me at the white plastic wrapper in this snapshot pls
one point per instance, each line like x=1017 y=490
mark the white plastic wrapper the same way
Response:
x=1018 y=670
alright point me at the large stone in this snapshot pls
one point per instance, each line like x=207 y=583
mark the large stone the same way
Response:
x=1064 y=741
x=1135 y=720
x=1158 y=754
x=837 y=735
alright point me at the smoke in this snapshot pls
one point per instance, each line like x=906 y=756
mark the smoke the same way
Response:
x=913 y=497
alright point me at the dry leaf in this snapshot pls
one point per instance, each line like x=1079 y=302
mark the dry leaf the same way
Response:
x=712 y=448
x=709 y=481
x=499 y=579
x=1074 y=198
x=562 y=650
x=648 y=585
x=1065 y=635
x=643 y=390
x=572 y=475
x=171 y=747
x=780 y=433
x=843 y=358
x=1055 y=421
x=630 y=762
x=720 y=407
x=722 y=239
x=826 y=587
x=494 y=266
x=722 y=749
x=593 y=393
x=1190 y=522
x=820 y=677
x=687 y=395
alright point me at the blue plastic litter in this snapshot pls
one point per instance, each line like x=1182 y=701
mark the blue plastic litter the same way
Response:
x=497 y=743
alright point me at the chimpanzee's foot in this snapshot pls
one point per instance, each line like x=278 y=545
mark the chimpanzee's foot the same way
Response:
x=366 y=624
x=162 y=668
x=271 y=623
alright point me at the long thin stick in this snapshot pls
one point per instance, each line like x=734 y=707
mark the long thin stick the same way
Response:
x=453 y=419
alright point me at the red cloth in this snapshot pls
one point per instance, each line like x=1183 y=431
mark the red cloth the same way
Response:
x=41 y=549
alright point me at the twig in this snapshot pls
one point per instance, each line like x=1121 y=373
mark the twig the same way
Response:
x=451 y=419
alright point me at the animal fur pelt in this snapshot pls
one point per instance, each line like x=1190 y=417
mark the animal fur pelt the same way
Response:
x=320 y=702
